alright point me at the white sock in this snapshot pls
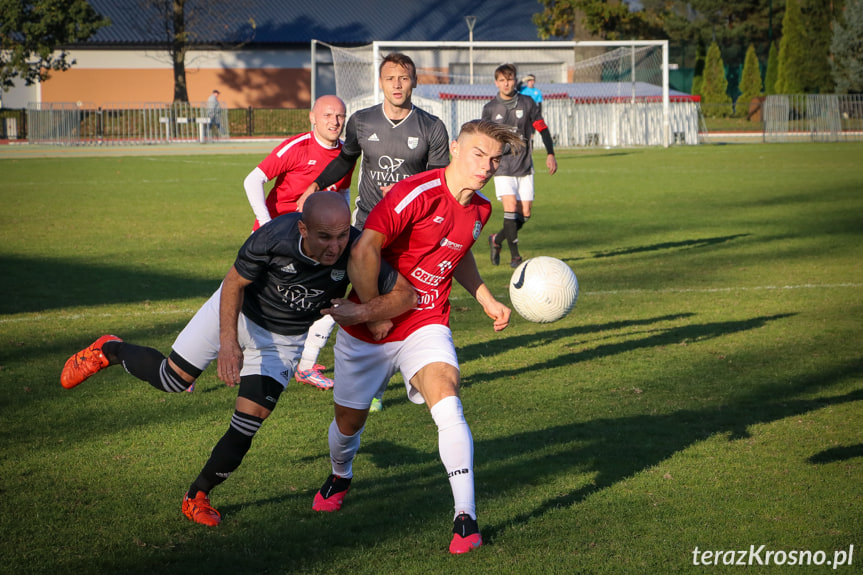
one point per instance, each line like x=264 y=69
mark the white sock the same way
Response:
x=455 y=444
x=319 y=333
x=343 y=448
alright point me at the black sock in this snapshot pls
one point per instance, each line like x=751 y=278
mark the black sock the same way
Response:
x=511 y=233
x=147 y=364
x=228 y=453
x=335 y=484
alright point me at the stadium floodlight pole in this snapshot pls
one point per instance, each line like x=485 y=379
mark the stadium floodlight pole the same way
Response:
x=471 y=21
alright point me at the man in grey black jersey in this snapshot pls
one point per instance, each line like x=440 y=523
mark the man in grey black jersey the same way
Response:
x=285 y=275
x=513 y=182
x=395 y=139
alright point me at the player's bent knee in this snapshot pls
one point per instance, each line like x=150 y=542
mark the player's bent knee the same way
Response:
x=350 y=420
x=258 y=395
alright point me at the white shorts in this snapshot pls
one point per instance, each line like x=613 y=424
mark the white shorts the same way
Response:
x=264 y=352
x=519 y=186
x=361 y=368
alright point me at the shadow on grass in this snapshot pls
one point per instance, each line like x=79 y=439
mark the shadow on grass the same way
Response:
x=605 y=446
x=834 y=454
x=686 y=244
x=40 y=284
x=601 y=448
x=655 y=338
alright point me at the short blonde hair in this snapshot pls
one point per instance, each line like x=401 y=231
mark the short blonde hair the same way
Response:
x=503 y=133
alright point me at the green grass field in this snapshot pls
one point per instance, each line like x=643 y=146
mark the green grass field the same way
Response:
x=705 y=393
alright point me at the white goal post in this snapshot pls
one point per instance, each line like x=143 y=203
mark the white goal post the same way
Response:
x=595 y=93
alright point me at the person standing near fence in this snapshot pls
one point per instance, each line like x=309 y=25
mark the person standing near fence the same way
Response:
x=214 y=113
x=395 y=139
x=294 y=164
x=513 y=182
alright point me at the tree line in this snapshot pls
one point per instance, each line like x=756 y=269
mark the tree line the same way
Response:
x=783 y=47
x=816 y=46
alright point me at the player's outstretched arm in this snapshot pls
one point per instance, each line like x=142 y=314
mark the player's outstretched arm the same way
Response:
x=231 y=302
x=364 y=267
x=467 y=274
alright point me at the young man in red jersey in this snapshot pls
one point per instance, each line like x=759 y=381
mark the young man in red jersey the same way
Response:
x=424 y=227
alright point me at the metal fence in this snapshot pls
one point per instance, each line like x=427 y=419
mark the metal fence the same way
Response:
x=788 y=118
x=577 y=123
x=813 y=117
x=119 y=124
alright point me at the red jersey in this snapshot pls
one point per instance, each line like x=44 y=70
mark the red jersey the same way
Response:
x=295 y=163
x=427 y=234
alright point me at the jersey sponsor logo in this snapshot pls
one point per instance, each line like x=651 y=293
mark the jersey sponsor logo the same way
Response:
x=289 y=269
x=374 y=138
x=413 y=142
x=477 y=228
x=438 y=219
x=312 y=162
x=447 y=243
x=337 y=275
x=388 y=168
x=426 y=299
x=299 y=297
x=444 y=266
x=427 y=278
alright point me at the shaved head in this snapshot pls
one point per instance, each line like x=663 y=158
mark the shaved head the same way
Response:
x=327 y=117
x=326 y=208
x=328 y=100
x=325 y=227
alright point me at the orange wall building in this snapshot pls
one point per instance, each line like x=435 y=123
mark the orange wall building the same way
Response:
x=271 y=79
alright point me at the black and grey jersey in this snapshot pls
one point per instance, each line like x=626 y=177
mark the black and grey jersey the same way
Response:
x=521 y=114
x=288 y=288
x=392 y=151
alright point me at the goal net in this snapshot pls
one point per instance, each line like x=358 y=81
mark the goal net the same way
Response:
x=594 y=93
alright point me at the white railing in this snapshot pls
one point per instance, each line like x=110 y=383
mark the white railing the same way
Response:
x=813 y=117
x=119 y=124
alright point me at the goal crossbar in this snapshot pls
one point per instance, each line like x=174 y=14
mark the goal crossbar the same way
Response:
x=465 y=56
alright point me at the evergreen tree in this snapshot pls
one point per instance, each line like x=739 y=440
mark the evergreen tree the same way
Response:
x=816 y=17
x=847 y=48
x=792 y=51
x=750 y=83
x=714 y=97
x=698 y=76
x=772 y=70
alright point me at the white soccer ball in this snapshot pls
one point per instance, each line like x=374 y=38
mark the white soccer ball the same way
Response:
x=543 y=289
